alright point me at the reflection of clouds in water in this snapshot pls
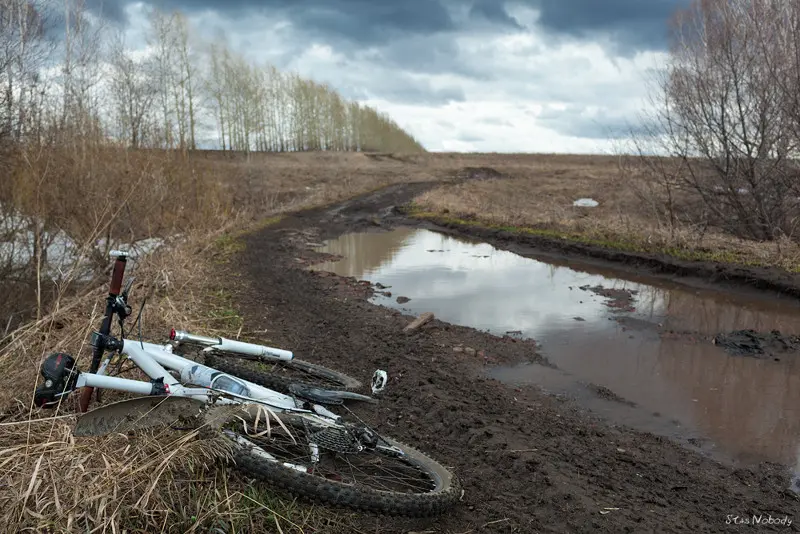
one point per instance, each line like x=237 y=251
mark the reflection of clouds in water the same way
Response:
x=474 y=283
x=497 y=289
x=748 y=404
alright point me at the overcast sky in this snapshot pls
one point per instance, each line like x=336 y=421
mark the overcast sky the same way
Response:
x=460 y=75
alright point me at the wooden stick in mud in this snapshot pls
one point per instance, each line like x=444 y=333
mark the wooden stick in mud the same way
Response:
x=419 y=321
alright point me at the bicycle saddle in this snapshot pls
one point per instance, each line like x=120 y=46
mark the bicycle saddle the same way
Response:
x=326 y=396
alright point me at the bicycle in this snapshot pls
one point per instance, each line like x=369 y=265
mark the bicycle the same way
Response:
x=311 y=452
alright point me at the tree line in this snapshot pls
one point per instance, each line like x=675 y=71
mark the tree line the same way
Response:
x=64 y=73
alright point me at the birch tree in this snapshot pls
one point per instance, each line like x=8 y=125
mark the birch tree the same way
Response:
x=161 y=37
x=132 y=92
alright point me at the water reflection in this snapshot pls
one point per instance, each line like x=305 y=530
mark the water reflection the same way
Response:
x=469 y=283
x=747 y=407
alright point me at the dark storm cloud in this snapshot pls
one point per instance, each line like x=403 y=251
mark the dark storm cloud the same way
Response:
x=405 y=90
x=357 y=21
x=110 y=9
x=410 y=38
x=493 y=11
x=636 y=23
x=370 y=21
x=578 y=122
x=633 y=23
x=430 y=55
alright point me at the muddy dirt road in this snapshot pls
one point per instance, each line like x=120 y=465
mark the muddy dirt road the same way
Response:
x=529 y=462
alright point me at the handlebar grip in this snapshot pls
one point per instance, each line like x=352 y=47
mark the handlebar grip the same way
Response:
x=116 y=276
x=85 y=398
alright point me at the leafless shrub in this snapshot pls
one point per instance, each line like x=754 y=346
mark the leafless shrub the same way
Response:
x=726 y=117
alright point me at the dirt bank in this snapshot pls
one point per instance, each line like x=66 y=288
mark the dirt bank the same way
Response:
x=529 y=462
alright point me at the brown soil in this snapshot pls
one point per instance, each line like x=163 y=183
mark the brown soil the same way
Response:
x=618 y=299
x=528 y=462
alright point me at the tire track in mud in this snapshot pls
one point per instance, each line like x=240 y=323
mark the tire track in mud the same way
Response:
x=528 y=462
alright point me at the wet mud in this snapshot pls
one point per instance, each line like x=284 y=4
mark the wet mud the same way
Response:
x=759 y=344
x=610 y=338
x=531 y=460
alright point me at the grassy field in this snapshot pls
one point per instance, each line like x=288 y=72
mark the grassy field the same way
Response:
x=534 y=194
x=51 y=481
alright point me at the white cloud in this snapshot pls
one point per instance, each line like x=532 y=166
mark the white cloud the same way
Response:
x=528 y=94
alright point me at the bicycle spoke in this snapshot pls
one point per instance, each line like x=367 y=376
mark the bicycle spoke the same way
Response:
x=374 y=468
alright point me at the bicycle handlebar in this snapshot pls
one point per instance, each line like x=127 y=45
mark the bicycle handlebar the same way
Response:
x=116 y=277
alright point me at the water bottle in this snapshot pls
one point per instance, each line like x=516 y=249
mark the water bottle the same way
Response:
x=203 y=376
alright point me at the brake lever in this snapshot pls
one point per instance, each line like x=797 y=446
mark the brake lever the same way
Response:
x=123 y=309
x=127 y=289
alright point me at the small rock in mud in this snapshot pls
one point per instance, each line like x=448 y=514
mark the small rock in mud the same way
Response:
x=757 y=344
x=605 y=393
x=402 y=300
x=469 y=351
x=579 y=319
x=619 y=299
x=381 y=286
x=458 y=349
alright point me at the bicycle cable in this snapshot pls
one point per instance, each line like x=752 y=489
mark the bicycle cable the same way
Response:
x=139 y=320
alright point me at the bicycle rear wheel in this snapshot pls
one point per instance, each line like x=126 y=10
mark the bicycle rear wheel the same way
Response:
x=278 y=375
x=343 y=468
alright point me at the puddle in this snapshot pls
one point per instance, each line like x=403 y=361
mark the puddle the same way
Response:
x=606 y=336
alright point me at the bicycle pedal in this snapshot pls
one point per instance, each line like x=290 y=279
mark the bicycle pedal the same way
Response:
x=379 y=380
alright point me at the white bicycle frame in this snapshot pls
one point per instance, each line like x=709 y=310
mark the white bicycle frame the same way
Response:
x=154 y=360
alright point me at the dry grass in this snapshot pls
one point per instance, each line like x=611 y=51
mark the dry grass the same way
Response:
x=163 y=482
x=535 y=194
x=127 y=195
x=151 y=482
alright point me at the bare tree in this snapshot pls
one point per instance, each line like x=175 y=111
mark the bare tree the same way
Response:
x=188 y=78
x=723 y=115
x=132 y=91
x=23 y=53
x=161 y=38
x=81 y=72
